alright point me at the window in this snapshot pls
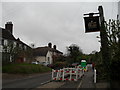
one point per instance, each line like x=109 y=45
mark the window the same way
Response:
x=25 y=47
x=14 y=44
x=20 y=46
x=48 y=59
x=5 y=42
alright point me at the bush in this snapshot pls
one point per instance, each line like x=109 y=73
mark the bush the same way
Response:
x=24 y=68
x=115 y=70
x=60 y=64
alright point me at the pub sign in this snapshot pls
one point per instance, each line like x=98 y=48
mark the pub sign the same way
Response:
x=92 y=24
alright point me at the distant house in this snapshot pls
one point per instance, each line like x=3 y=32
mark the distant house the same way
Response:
x=10 y=47
x=46 y=54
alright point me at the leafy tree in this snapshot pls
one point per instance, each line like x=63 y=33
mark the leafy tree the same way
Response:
x=113 y=34
x=112 y=29
x=12 y=52
x=74 y=52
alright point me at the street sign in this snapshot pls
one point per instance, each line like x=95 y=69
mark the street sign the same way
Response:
x=92 y=24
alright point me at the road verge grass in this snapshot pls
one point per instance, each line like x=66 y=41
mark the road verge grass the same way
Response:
x=24 y=68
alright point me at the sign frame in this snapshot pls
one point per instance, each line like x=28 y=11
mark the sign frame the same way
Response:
x=92 y=24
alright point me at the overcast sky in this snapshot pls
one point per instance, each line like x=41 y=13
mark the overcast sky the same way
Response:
x=60 y=23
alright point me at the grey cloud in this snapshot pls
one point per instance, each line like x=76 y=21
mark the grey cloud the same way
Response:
x=60 y=23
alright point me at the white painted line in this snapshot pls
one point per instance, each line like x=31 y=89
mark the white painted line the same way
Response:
x=79 y=85
x=46 y=82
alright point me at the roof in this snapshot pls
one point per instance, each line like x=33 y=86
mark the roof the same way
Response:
x=42 y=51
x=9 y=36
x=20 y=42
x=6 y=34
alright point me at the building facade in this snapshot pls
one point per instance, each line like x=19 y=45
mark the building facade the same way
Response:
x=47 y=54
x=12 y=49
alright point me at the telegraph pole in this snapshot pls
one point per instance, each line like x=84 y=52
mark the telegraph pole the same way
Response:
x=104 y=44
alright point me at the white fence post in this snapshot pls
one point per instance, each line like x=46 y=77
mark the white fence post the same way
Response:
x=74 y=74
x=94 y=75
x=52 y=74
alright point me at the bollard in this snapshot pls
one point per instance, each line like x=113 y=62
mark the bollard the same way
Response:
x=94 y=75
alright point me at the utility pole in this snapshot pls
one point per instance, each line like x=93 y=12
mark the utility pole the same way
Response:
x=104 y=44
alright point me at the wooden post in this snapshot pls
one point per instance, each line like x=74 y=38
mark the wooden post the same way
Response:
x=104 y=44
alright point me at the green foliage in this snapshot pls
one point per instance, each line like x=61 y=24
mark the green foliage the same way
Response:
x=14 y=51
x=24 y=68
x=96 y=57
x=113 y=35
x=74 y=52
x=60 y=64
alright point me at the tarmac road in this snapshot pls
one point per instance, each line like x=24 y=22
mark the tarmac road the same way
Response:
x=28 y=82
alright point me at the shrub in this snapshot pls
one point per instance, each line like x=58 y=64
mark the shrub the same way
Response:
x=60 y=64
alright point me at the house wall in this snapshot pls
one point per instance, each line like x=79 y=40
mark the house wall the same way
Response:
x=41 y=58
x=49 y=58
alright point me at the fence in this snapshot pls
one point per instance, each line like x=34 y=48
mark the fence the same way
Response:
x=65 y=74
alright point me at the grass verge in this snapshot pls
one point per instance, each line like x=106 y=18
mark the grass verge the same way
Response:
x=24 y=68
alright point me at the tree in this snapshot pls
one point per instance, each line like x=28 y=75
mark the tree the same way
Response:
x=113 y=35
x=12 y=51
x=74 y=52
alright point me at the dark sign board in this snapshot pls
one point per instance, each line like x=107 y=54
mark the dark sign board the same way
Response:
x=92 y=24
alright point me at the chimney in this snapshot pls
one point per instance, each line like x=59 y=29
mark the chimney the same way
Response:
x=9 y=27
x=54 y=47
x=50 y=45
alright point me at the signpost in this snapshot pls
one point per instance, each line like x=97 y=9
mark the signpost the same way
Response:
x=96 y=23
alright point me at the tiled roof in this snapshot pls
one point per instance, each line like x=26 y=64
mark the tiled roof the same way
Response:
x=6 y=34
x=20 y=42
x=42 y=51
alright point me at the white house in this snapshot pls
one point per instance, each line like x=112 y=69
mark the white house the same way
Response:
x=46 y=54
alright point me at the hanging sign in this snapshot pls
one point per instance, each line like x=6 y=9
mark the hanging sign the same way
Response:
x=92 y=24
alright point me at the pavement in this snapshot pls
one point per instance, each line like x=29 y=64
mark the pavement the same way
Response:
x=87 y=80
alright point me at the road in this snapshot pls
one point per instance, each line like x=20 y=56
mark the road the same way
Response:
x=27 y=83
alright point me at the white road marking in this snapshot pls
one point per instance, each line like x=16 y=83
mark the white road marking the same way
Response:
x=46 y=82
x=79 y=85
